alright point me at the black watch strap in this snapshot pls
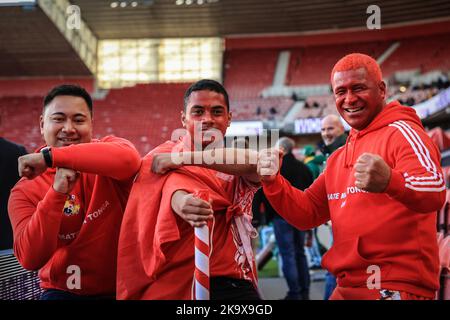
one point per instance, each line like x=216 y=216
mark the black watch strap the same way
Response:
x=47 y=157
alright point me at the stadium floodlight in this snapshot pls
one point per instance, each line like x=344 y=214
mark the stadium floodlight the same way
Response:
x=4 y=3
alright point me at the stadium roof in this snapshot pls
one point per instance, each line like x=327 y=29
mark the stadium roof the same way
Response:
x=31 y=45
x=164 y=18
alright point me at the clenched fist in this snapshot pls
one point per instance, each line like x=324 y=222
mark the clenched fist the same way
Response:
x=163 y=162
x=372 y=174
x=269 y=161
x=193 y=210
x=31 y=165
x=65 y=180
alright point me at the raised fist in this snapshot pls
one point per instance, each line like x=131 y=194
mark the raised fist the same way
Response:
x=269 y=161
x=372 y=173
x=31 y=165
x=65 y=180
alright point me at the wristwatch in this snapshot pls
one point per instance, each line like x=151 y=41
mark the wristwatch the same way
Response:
x=47 y=156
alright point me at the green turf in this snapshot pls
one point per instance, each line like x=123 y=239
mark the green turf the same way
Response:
x=270 y=270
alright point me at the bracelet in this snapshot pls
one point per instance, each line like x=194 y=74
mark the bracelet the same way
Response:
x=47 y=157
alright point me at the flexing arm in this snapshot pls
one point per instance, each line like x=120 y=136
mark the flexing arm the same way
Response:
x=240 y=162
x=111 y=157
x=416 y=176
x=36 y=228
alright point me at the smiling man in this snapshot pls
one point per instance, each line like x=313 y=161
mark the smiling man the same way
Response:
x=381 y=191
x=66 y=211
x=156 y=247
x=333 y=134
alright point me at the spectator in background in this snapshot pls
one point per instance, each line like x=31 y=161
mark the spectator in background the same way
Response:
x=315 y=165
x=290 y=240
x=273 y=110
x=313 y=162
x=334 y=137
x=333 y=134
x=410 y=101
x=9 y=153
x=443 y=81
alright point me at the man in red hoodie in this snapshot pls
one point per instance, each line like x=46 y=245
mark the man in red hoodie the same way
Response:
x=156 y=247
x=381 y=192
x=67 y=209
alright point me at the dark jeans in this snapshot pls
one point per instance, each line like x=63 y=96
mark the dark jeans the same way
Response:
x=330 y=285
x=291 y=244
x=54 y=294
x=223 y=288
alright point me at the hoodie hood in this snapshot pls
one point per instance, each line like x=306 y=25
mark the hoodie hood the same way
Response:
x=392 y=112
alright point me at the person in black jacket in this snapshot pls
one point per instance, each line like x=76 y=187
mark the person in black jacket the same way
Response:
x=290 y=240
x=333 y=134
x=9 y=153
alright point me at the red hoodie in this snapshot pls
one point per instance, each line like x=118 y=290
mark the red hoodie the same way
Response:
x=394 y=230
x=63 y=235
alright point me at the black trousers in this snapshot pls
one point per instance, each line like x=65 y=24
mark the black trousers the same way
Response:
x=223 y=288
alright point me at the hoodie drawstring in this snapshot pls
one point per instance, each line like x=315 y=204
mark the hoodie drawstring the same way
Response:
x=346 y=149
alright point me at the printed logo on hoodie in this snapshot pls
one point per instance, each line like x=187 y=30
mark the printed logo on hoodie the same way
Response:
x=71 y=207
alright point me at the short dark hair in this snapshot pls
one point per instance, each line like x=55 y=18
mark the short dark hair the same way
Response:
x=68 y=90
x=206 y=84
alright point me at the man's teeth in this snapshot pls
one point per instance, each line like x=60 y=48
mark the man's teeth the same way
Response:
x=353 y=110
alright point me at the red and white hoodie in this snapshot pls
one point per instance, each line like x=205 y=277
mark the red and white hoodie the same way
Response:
x=390 y=234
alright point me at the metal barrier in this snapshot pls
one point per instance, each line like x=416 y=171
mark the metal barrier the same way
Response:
x=16 y=283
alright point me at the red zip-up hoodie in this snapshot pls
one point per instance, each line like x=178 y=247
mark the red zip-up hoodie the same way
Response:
x=392 y=234
x=72 y=239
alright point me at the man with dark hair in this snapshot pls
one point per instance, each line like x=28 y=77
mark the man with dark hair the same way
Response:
x=67 y=209
x=156 y=247
x=68 y=90
x=9 y=153
x=381 y=191
x=209 y=85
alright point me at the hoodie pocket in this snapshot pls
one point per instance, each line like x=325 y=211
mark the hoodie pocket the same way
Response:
x=351 y=267
x=57 y=274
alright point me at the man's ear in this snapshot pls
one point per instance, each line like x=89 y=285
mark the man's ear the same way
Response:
x=41 y=124
x=382 y=87
x=183 y=119
x=230 y=116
